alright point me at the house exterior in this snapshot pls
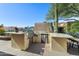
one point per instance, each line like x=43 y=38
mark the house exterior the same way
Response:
x=13 y=29
x=9 y=29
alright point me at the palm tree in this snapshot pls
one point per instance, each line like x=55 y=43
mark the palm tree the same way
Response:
x=62 y=10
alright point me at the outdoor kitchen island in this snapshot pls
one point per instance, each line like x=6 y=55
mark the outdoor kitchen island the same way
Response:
x=20 y=40
x=58 y=42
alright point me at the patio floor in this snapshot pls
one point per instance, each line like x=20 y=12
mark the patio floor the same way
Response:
x=5 y=46
x=33 y=50
x=5 y=54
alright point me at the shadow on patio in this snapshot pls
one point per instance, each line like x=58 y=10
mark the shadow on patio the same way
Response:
x=37 y=48
x=5 y=54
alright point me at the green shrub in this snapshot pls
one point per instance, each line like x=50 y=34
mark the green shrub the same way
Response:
x=2 y=32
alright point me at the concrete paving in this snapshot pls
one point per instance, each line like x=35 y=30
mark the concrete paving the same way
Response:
x=56 y=53
x=34 y=50
x=5 y=54
x=37 y=48
x=5 y=46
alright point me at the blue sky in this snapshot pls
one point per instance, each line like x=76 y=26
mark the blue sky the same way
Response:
x=23 y=14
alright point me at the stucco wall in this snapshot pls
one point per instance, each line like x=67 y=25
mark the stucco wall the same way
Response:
x=41 y=27
x=59 y=44
x=19 y=41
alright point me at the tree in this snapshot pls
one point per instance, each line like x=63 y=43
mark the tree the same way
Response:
x=75 y=27
x=65 y=10
x=2 y=31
